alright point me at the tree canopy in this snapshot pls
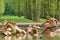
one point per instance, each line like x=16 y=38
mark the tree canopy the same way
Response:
x=31 y=9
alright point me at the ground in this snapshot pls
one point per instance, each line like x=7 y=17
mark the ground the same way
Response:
x=18 y=19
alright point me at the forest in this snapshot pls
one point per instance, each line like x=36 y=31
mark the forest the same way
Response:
x=31 y=9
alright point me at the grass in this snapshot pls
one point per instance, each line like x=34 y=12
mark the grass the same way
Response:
x=42 y=20
x=18 y=19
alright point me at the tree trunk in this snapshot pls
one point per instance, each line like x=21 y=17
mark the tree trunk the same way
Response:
x=58 y=10
x=36 y=10
x=26 y=9
x=29 y=9
x=19 y=14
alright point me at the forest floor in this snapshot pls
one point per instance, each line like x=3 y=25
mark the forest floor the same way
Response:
x=18 y=19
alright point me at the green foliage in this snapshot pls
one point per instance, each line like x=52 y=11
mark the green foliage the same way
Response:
x=12 y=6
x=33 y=9
x=42 y=20
x=49 y=7
x=15 y=18
x=2 y=7
x=18 y=19
x=53 y=7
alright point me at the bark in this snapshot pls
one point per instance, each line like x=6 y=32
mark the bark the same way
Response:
x=19 y=14
x=26 y=9
x=36 y=11
x=29 y=9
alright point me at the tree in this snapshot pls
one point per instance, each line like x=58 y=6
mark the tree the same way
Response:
x=2 y=7
x=19 y=14
x=7 y=9
x=58 y=10
x=48 y=7
x=36 y=10
x=28 y=10
x=53 y=7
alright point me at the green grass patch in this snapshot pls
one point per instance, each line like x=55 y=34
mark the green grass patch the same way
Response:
x=42 y=20
x=18 y=19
